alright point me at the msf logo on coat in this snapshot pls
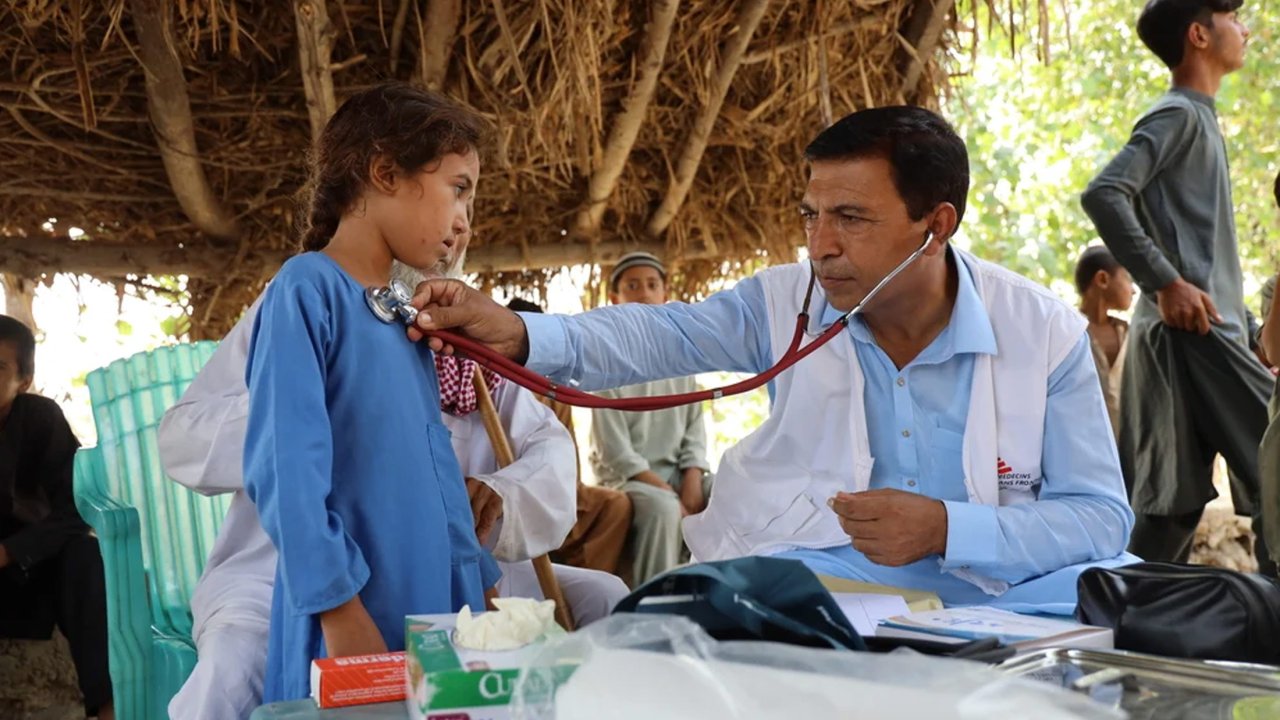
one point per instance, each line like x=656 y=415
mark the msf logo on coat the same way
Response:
x=1010 y=479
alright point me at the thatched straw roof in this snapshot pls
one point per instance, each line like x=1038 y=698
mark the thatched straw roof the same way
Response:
x=672 y=126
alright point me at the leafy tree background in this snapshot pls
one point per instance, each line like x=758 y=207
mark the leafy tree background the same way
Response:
x=1038 y=131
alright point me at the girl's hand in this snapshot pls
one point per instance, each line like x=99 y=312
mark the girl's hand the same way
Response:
x=349 y=630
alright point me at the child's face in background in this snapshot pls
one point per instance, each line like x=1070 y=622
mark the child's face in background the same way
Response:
x=1118 y=291
x=12 y=383
x=426 y=220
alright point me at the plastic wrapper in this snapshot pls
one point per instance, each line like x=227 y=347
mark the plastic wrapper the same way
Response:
x=664 y=666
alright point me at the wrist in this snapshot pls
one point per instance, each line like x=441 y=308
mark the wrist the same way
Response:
x=940 y=529
x=522 y=347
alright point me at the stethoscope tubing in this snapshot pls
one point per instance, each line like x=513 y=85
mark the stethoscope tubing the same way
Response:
x=542 y=385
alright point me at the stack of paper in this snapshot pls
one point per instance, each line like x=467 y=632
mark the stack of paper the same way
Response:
x=917 y=600
x=866 y=610
x=1025 y=632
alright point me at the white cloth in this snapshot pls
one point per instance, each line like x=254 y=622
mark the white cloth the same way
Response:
x=1007 y=403
x=201 y=442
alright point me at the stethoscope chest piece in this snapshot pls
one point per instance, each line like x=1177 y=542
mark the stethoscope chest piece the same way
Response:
x=391 y=303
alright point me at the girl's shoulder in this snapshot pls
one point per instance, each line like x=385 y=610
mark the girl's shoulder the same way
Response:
x=312 y=273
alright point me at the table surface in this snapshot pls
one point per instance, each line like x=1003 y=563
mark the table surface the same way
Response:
x=307 y=710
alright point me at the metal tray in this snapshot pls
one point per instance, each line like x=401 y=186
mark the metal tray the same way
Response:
x=1147 y=686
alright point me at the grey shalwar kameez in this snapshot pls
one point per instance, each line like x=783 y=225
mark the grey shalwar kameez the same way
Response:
x=1163 y=207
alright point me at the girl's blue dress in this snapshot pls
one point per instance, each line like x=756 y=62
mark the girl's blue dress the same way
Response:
x=351 y=469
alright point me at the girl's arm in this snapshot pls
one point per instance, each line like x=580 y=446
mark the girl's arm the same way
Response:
x=288 y=452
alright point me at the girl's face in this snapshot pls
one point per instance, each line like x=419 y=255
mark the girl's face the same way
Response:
x=425 y=220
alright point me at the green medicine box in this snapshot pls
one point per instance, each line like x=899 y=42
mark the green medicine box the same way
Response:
x=446 y=682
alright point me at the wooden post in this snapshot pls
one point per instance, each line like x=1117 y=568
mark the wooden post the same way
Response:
x=502 y=451
x=19 y=295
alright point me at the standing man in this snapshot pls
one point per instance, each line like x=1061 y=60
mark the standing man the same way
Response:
x=659 y=459
x=1193 y=387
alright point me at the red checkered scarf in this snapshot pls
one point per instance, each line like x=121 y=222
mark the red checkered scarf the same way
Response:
x=457 y=393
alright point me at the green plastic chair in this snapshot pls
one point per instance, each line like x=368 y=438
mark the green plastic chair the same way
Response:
x=155 y=534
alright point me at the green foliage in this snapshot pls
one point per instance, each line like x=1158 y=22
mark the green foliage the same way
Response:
x=1038 y=133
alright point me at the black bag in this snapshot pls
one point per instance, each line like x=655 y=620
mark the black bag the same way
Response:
x=1185 y=611
x=749 y=598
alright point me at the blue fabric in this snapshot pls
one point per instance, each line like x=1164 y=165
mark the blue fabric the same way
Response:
x=351 y=470
x=915 y=431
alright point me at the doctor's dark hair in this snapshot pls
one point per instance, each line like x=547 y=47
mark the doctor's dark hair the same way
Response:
x=929 y=161
x=413 y=126
x=1163 y=24
x=15 y=332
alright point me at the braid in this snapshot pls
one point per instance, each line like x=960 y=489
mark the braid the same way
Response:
x=327 y=207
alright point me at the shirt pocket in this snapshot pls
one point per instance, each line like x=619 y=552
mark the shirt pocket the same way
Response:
x=947 y=471
x=453 y=495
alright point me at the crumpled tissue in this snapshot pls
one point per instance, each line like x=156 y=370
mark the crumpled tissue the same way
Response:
x=516 y=623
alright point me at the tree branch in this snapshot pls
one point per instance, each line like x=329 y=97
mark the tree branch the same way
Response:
x=170 y=110
x=626 y=127
x=315 y=36
x=696 y=144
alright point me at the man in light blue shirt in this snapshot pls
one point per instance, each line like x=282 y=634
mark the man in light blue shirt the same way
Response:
x=884 y=450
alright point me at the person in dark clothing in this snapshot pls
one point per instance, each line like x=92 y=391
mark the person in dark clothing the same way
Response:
x=50 y=565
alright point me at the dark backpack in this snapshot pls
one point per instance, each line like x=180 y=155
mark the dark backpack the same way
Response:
x=1185 y=611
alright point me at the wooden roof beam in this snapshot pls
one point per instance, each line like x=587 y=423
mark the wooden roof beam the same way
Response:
x=923 y=33
x=315 y=44
x=437 y=32
x=696 y=144
x=33 y=257
x=170 y=109
x=627 y=124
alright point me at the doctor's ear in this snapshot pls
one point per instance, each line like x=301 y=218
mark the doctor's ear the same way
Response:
x=941 y=225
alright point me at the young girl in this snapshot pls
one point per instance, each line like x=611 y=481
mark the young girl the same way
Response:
x=346 y=457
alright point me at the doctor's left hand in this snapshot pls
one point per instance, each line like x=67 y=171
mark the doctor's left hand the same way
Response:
x=892 y=527
x=486 y=506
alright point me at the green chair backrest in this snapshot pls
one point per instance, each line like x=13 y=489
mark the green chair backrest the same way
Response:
x=129 y=397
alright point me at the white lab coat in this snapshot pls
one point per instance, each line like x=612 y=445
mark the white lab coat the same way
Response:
x=1007 y=403
x=201 y=441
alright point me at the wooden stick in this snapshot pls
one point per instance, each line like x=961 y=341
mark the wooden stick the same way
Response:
x=502 y=451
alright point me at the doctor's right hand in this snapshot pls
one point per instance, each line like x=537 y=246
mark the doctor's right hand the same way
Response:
x=459 y=308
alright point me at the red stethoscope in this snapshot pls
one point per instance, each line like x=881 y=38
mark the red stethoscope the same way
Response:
x=392 y=302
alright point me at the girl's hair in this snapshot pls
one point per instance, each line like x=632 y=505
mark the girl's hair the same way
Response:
x=413 y=126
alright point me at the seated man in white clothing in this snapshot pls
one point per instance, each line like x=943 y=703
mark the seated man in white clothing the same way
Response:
x=522 y=511
x=952 y=436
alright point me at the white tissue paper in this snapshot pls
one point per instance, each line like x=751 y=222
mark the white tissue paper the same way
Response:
x=516 y=623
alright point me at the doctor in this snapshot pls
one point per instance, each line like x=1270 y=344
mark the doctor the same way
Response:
x=954 y=439
x=523 y=510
